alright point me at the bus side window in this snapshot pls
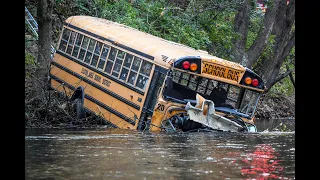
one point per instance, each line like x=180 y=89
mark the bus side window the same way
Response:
x=112 y=56
x=71 y=42
x=64 y=39
x=89 y=54
x=126 y=66
x=144 y=74
x=84 y=46
x=134 y=70
x=118 y=63
x=103 y=56
x=77 y=45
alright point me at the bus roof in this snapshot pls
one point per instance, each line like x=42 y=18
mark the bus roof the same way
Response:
x=140 y=41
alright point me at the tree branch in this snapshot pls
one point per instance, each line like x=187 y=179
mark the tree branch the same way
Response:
x=241 y=24
x=261 y=41
x=289 y=46
x=279 y=78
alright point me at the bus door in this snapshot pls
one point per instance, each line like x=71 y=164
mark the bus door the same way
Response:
x=157 y=81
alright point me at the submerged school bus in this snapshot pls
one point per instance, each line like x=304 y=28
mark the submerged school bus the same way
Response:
x=134 y=80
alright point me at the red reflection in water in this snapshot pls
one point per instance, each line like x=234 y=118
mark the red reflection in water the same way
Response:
x=262 y=163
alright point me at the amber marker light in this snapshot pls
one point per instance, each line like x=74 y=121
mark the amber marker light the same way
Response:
x=193 y=66
x=247 y=80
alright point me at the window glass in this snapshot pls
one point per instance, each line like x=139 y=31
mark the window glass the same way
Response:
x=69 y=49
x=91 y=45
x=124 y=74
x=176 y=76
x=72 y=37
x=85 y=42
x=88 y=57
x=116 y=67
x=184 y=80
x=233 y=92
x=203 y=82
x=132 y=77
x=128 y=60
x=201 y=89
x=66 y=34
x=108 y=67
x=185 y=76
x=79 y=39
x=249 y=102
x=75 y=51
x=142 y=82
x=81 y=54
x=112 y=54
x=115 y=74
x=136 y=63
x=121 y=54
x=119 y=61
x=63 y=45
x=98 y=48
x=94 y=60
x=212 y=84
x=192 y=85
x=101 y=63
x=146 y=68
x=105 y=51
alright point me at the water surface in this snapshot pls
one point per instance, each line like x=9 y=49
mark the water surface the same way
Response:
x=126 y=154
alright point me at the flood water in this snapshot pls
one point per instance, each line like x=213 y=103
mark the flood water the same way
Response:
x=125 y=154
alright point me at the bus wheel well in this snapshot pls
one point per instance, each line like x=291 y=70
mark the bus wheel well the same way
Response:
x=78 y=94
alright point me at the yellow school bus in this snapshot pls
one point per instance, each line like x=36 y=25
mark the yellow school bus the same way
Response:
x=134 y=80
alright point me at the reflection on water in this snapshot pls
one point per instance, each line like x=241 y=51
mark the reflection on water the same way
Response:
x=125 y=154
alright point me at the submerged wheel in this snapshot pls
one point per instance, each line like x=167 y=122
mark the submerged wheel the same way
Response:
x=79 y=108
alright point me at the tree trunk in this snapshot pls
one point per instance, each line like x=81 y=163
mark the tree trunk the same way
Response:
x=261 y=41
x=44 y=19
x=278 y=21
x=292 y=79
x=284 y=41
x=241 y=24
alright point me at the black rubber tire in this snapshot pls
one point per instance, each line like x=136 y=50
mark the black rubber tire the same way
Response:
x=79 y=108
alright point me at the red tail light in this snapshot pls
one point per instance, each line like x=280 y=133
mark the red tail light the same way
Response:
x=185 y=65
x=255 y=82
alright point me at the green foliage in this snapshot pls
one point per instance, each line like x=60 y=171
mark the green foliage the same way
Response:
x=157 y=18
x=210 y=30
x=220 y=28
x=29 y=59
x=283 y=87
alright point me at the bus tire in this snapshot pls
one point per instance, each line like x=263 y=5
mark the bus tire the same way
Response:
x=79 y=108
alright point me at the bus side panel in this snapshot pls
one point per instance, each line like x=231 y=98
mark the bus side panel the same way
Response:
x=113 y=86
x=94 y=107
x=113 y=103
x=95 y=93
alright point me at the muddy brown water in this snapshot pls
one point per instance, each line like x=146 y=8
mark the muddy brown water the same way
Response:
x=125 y=154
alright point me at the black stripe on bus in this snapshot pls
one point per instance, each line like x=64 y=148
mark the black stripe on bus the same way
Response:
x=96 y=71
x=108 y=122
x=117 y=113
x=137 y=107
x=109 y=40
x=90 y=98
x=86 y=109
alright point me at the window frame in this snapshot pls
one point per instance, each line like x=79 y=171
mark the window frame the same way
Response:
x=110 y=46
